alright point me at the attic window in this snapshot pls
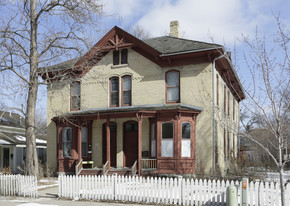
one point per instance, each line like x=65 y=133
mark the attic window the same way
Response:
x=123 y=58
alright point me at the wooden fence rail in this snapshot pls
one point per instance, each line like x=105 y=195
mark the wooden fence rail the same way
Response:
x=18 y=185
x=178 y=191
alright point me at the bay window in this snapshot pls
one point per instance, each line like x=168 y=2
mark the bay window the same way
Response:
x=186 y=139
x=172 y=87
x=167 y=147
x=66 y=141
x=153 y=140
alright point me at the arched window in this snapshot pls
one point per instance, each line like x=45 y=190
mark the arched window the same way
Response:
x=114 y=92
x=126 y=90
x=167 y=141
x=66 y=141
x=172 y=86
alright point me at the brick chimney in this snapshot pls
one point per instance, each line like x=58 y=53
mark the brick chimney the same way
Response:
x=174 y=29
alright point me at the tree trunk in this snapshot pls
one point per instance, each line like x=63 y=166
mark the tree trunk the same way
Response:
x=31 y=153
x=282 y=186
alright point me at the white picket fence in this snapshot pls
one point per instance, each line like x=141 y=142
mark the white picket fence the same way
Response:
x=165 y=190
x=18 y=185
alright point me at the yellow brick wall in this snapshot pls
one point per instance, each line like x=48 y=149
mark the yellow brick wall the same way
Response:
x=148 y=87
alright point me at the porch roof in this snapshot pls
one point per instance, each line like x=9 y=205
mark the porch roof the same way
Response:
x=132 y=109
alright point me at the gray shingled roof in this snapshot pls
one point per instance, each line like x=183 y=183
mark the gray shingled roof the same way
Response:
x=169 y=45
x=11 y=119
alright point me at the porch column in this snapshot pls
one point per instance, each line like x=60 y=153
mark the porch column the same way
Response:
x=139 y=117
x=108 y=142
x=79 y=143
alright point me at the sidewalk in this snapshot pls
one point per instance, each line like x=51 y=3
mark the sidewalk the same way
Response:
x=49 y=197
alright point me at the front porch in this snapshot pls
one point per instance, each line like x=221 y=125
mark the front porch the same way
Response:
x=148 y=167
x=115 y=140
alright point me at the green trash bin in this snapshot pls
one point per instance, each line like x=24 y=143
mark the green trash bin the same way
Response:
x=232 y=197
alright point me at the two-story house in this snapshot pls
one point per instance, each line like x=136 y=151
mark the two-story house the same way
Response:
x=167 y=104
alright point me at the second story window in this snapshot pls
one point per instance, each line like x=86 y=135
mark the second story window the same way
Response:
x=123 y=58
x=75 y=95
x=114 y=92
x=126 y=90
x=172 y=87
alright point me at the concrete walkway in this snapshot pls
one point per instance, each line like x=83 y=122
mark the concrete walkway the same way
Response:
x=49 y=197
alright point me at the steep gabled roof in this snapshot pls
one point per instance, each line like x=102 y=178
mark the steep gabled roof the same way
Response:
x=164 y=51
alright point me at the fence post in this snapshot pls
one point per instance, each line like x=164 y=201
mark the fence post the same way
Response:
x=181 y=190
x=244 y=192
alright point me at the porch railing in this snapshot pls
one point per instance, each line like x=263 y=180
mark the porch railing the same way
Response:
x=79 y=167
x=134 y=168
x=149 y=164
x=106 y=168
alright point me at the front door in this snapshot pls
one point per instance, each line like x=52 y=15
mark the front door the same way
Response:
x=130 y=145
x=113 y=144
x=6 y=157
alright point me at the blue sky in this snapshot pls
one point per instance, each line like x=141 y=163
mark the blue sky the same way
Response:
x=224 y=20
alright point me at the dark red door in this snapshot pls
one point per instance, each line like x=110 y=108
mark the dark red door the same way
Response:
x=113 y=144
x=130 y=145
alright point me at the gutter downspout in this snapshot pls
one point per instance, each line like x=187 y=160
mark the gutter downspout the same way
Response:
x=213 y=114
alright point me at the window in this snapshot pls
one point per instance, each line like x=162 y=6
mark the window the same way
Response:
x=234 y=105
x=124 y=57
x=131 y=127
x=75 y=93
x=225 y=146
x=228 y=103
x=126 y=90
x=153 y=140
x=228 y=142
x=225 y=99
x=114 y=92
x=66 y=141
x=84 y=141
x=116 y=57
x=217 y=89
x=186 y=140
x=234 y=152
x=167 y=140
x=172 y=86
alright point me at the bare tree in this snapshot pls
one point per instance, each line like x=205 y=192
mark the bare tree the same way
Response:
x=268 y=96
x=35 y=34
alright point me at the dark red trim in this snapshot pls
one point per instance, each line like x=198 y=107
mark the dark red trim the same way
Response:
x=169 y=102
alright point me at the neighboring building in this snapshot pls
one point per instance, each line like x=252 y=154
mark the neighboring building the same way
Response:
x=13 y=142
x=168 y=102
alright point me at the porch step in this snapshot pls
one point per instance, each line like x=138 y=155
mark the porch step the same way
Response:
x=99 y=171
